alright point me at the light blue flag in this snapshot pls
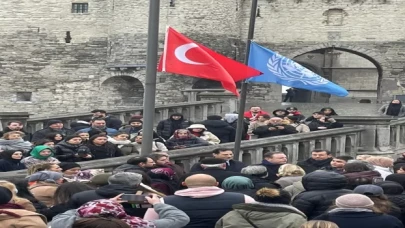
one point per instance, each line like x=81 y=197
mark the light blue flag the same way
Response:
x=281 y=70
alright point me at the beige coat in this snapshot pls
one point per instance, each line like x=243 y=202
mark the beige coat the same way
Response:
x=26 y=204
x=254 y=125
x=44 y=192
x=28 y=219
x=300 y=127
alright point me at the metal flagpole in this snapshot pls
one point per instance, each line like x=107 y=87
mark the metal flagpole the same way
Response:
x=242 y=101
x=150 y=80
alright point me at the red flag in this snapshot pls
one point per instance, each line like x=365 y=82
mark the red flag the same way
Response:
x=182 y=55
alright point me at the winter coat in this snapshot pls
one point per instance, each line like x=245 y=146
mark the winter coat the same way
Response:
x=311 y=165
x=264 y=131
x=188 y=142
x=156 y=146
x=7 y=165
x=44 y=192
x=234 y=166
x=31 y=161
x=169 y=216
x=300 y=127
x=221 y=129
x=272 y=170
x=219 y=174
x=165 y=127
x=315 y=124
x=295 y=189
x=126 y=147
x=351 y=177
x=110 y=131
x=353 y=219
x=383 y=110
x=210 y=138
x=112 y=122
x=15 y=144
x=321 y=190
x=27 y=135
x=108 y=150
x=288 y=180
x=79 y=125
x=261 y=215
x=24 y=203
x=28 y=219
x=67 y=152
x=41 y=134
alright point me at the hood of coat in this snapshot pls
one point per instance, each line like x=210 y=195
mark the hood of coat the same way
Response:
x=215 y=123
x=112 y=190
x=267 y=208
x=323 y=180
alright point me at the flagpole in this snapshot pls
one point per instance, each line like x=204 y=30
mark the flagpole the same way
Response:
x=150 y=80
x=243 y=94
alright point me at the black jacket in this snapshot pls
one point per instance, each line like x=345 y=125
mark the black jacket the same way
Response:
x=221 y=129
x=310 y=165
x=79 y=125
x=314 y=124
x=41 y=134
x=10 y=165
x=322 y=188
x=234 y=166
x=165 y=128
x=108 y=150
x=108 y=192
x=219 y=174
x=55 y=210
x=112 y=122
x=27 y=136
x=272 y=170
x=66 y=152
x=264 y=132
x=191 y=142
x=361 y=219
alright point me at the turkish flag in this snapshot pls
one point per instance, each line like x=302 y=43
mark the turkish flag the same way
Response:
x=184 y=56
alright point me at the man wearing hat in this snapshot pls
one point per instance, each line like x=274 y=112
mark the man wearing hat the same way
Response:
x=53 y=126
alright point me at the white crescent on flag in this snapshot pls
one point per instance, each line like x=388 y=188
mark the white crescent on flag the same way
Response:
x=181 y=51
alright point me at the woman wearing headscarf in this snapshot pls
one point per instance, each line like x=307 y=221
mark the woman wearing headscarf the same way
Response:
x=182 y=139
x=13 y=140
x=239 y=184
x=11 y=161
x=169 y=216
x=200 y=131
x=394 y=108
x=40 y=154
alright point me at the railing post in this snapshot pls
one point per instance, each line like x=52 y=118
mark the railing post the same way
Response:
x=191 y=113
x=204 y=112
x=342 y=145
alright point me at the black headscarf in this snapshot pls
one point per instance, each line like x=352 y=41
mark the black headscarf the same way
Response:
x=394 y=109
x=6 y=155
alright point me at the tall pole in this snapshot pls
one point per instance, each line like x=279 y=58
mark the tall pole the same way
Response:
x=243 y=94
x=150 y=80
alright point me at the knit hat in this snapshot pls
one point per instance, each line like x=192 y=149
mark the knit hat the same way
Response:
x=35 y=153
x=5 y=195
x=96 y=136
x=135 y=121
x=125 y=178
x=45 y=176
x=68 y=165
x=69 y=137
x=369 y=189
x=197 y=126
x=100 y=179
x=50 y=122
x=237 y=183
x=354 y=201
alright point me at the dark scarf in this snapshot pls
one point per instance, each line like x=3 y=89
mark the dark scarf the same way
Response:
x=394 y=109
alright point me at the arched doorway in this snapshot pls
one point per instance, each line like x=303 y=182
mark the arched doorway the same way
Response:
x=358 y=73
x=123 y=90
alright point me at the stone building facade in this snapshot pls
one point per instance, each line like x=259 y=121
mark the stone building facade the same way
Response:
x=62 y=56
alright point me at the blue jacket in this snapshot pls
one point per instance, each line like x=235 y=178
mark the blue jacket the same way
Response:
x=7 y=165
x=110 y=131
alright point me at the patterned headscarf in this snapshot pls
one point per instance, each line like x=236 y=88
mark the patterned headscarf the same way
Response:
x=176 y=134
x=158 y=172
x=110 y=209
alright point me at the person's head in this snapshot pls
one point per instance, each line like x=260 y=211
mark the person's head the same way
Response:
x=340 y=161
x=12 y=155
x=45 y=142
x=318 y=115
x=197 y=128
x=356 y=166
x=10 y=186
x=65 y=191
x=396 y=101
x=44 y=167
x=84 y=135
x=237 y=183
x=181 y=134
x=328 y=111
x=398 y=168
x=99 y=113
x=176 y=116
x=5 y=195
x=276 y=157
x=354 y=200
x=255 y=170
x=126 y=178
x=56 y=137
x=73 y=139
x=290 y=170
x=137 y=123
x=138 y=139
x=369 y=190
x=320 y=155
x=144 y=162
x=275 y=121
x=292 y=109
x=98 y=140
x=208 y=163
x=319 y=224
x=255 y=109
x=291 y=119
x=55 y=124
x=280 y=112
x=363 y=157
x=15 y=125
x=200 y=180
x=381 y=161
x=42 y=152
x=98 y=123
x=121 y=136
x=263 y=117
x=274 y=196
x=100 y=222
x=13 y=135
x=70 y=168
x=22 y=189
x=391 y=187
x=223 y=153
x=160 y=159
x=47 y=177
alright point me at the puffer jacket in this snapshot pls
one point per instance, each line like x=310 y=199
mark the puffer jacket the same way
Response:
x=67 y=152
x=321 y=190
x=221 y=129
x=165 y=129
x=261 y=215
